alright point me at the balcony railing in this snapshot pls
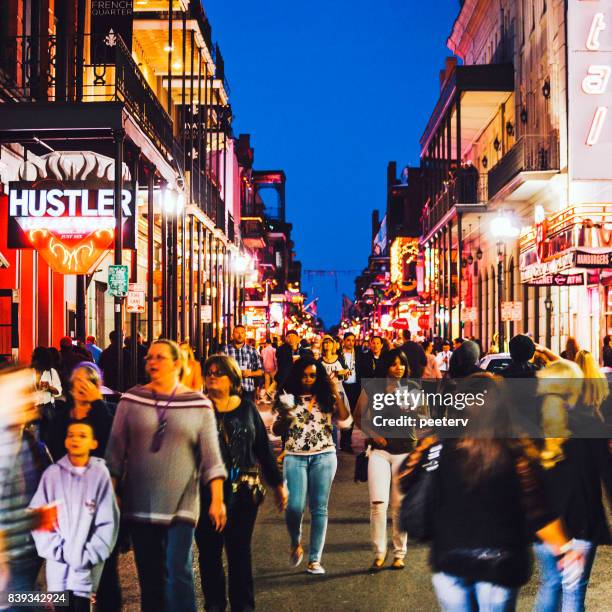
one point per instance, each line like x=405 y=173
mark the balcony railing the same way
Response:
x=531 y=153
x=69 y=70
x=467 y=186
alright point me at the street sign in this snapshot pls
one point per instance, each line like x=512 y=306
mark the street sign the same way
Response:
x=118 y=280
x=206 y=312
x=137 y=298
x=558 y=280
x=469 y=314
x=511 y=311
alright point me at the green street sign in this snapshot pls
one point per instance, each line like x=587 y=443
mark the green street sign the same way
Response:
x=118 y=280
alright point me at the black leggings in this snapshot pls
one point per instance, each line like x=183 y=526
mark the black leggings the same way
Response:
x=236 y=538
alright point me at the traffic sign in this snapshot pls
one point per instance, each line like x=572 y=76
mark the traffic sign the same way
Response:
x=469 y=314
x=511 y=311
x=137 y=298
x=118 y=280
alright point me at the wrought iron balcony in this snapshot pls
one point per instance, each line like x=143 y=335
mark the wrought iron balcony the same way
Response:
x=71 y=70
x=531 y=153
x=466 y=186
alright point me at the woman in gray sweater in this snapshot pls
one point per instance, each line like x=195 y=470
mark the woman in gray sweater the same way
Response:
x=163 y=442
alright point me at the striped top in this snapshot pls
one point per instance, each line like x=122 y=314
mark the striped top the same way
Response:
x=22 y=462
x=159 y=487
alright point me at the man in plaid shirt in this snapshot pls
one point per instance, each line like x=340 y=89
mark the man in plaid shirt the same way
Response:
x=248 y=359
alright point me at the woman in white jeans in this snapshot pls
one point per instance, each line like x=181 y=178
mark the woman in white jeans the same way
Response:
x=385 y=457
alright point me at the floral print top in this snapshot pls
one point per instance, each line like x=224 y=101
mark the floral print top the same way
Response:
x=310 y=432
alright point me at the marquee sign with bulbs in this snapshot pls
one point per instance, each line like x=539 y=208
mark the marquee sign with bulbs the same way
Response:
x=62 y=205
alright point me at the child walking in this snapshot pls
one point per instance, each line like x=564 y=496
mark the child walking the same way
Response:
x=88 y=518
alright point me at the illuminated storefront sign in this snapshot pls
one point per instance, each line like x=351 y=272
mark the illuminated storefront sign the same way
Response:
x=558 y=280
x=590 y=91
x=403 y=259
x=63 y=206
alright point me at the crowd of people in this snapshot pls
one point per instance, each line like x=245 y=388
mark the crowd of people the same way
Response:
x=183 y=457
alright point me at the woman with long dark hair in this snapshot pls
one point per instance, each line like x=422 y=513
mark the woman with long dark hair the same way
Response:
x=308 y=402
x=385 y=457
x=487 y=500
x=246 y=452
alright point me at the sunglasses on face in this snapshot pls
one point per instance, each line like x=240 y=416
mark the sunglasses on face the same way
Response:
x=215 y=374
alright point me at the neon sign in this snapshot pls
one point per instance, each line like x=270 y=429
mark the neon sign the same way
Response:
x=589 y=72
x=63 y=206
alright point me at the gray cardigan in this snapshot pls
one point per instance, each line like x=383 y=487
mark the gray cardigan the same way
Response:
x=163 y=486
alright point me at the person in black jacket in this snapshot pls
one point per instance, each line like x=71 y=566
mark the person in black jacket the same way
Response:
x=358 y=367
x=84 y=402
x=286 y=355
x=522 y=349
x=245 y=448
x=487 y=500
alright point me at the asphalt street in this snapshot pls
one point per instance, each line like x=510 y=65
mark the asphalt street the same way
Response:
x=348 y=586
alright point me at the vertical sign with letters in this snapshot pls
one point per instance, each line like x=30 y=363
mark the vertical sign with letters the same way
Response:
x=109 y=20
x=589 y=24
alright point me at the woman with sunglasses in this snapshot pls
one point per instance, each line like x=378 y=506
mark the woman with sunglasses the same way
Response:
x=307 y=403
x=246 y=450
x=162 y=445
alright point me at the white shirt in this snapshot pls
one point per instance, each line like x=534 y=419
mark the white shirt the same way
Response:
x=443 y=360
x=52 y=377
x=349 y=359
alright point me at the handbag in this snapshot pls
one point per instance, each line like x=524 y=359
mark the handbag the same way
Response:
x=248 y=486
x=418 y=481
x=361 y=465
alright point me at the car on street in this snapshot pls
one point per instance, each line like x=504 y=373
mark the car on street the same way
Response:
x=495 y=362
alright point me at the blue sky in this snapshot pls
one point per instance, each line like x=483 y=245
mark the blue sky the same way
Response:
x=330 y=92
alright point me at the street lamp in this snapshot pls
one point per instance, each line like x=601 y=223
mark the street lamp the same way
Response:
x=548 y=304
x=503 y=228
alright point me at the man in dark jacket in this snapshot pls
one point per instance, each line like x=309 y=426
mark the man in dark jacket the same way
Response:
x=286 y=355
x=108 y=363
x=522 y=349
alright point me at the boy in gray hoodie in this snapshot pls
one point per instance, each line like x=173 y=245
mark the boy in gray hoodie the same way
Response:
x=88 y=518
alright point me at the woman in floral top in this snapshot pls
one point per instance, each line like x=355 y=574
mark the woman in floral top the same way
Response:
x=308 y=401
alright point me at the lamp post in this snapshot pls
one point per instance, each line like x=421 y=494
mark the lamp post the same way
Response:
x=548 y=304
x=503 y=227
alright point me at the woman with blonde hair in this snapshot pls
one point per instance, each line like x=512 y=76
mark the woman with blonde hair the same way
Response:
x=163 y=449
x=192 y=370
x=595 y=388
x=576 y=461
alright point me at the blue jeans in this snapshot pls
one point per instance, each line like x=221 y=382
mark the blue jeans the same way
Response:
x=164 y=560
x=460 y=595
x=553 y=591
x=312 y=476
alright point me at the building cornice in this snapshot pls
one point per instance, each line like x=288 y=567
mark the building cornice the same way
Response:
x=467 y=23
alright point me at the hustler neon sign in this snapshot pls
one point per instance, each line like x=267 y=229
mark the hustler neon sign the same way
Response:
x=70 y=202
x=71 y=228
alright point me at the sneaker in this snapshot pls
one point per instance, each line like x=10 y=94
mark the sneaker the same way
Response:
x=297 y=554
x=314 y=567
x=398 y=564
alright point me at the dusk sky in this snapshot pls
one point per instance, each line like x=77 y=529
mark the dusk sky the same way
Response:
x=330 y=92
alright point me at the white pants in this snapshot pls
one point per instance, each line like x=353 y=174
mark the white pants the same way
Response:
x=382 y=466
